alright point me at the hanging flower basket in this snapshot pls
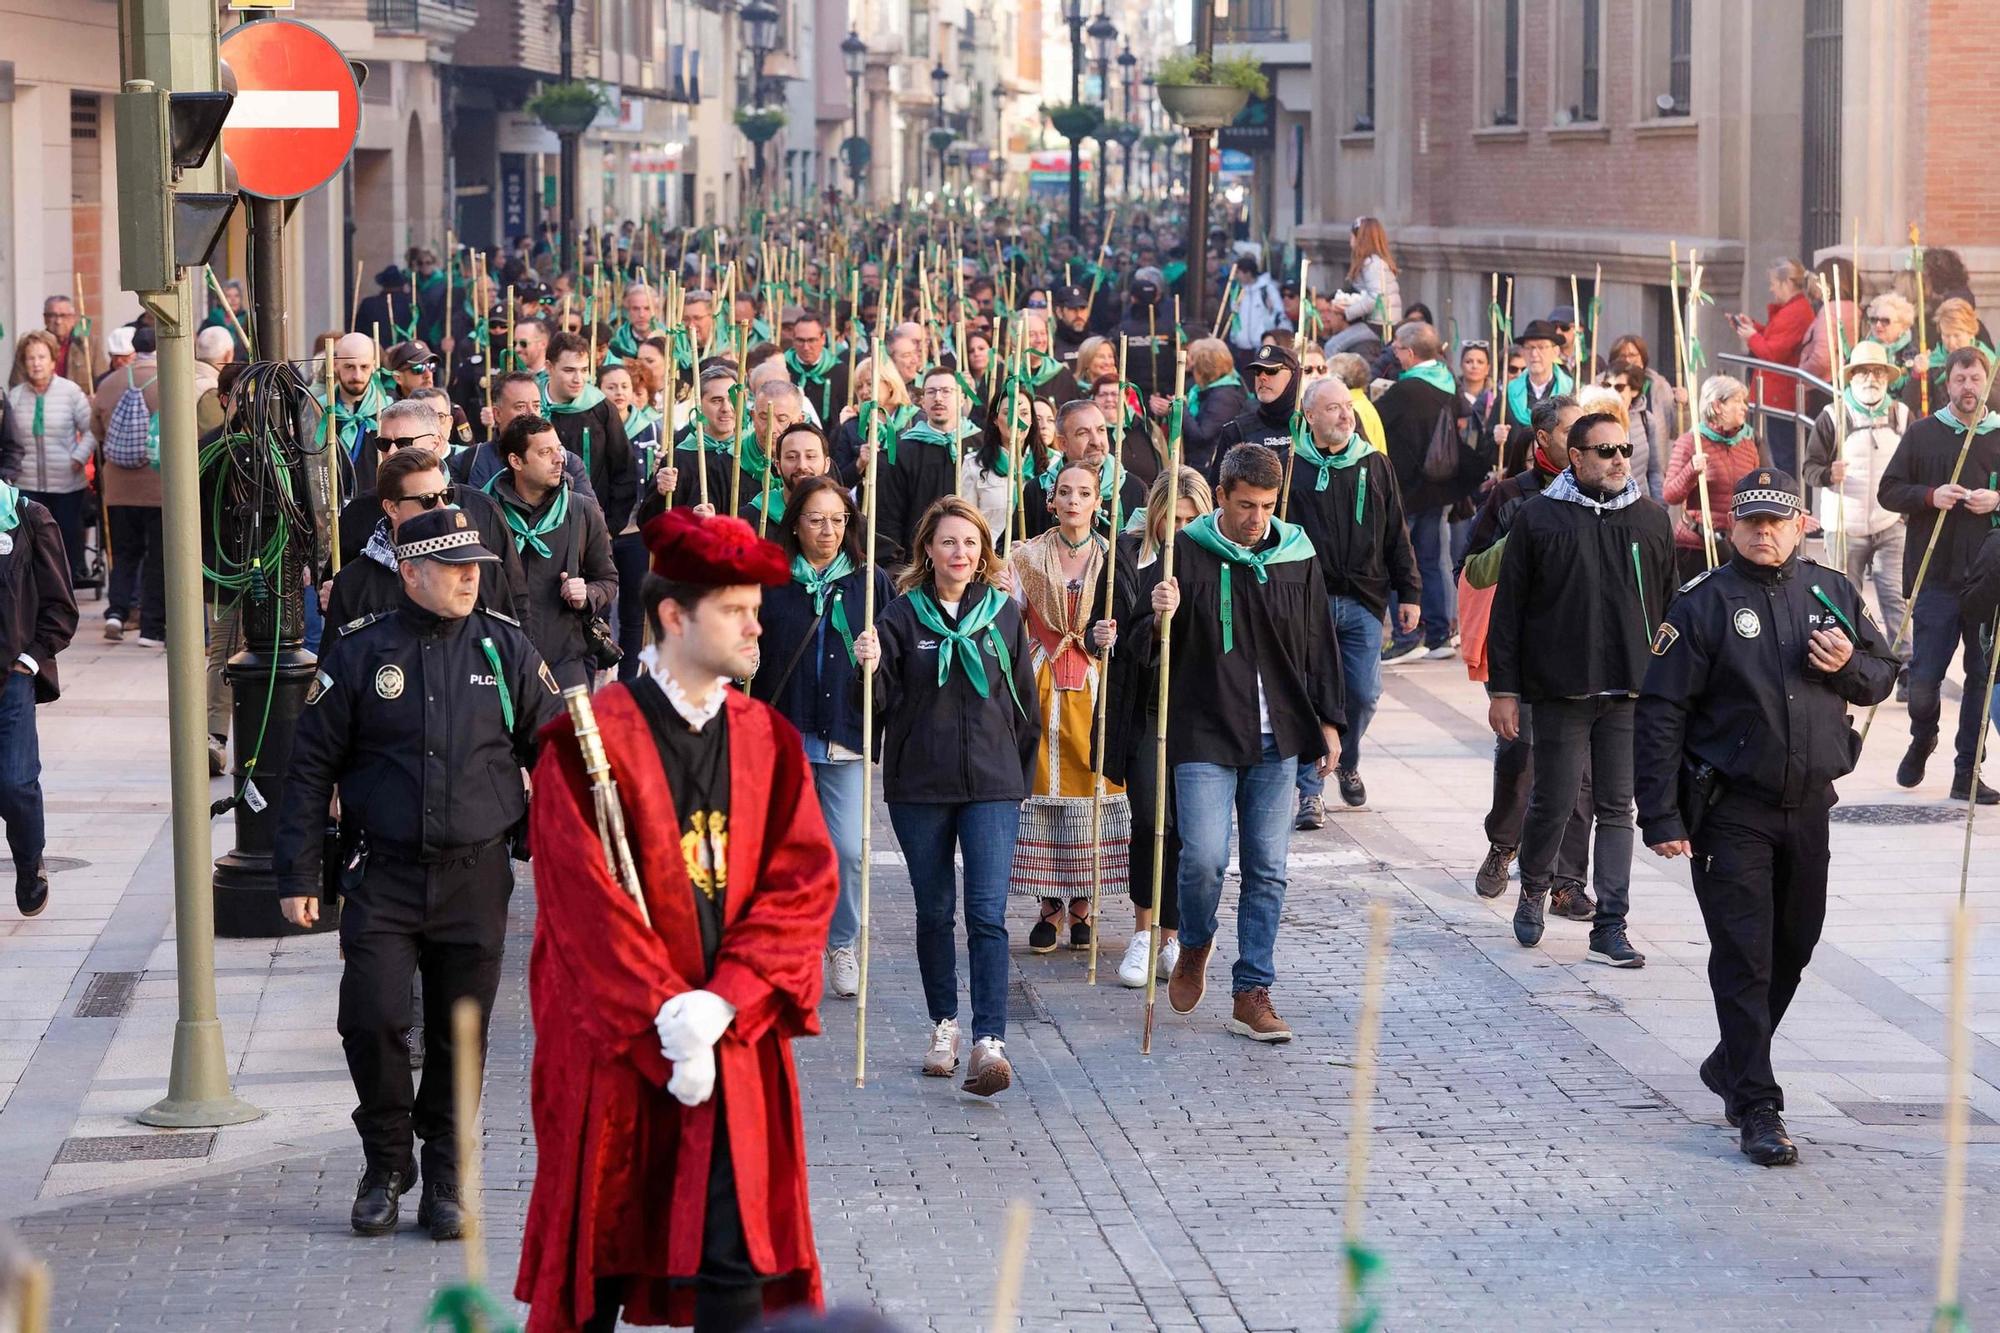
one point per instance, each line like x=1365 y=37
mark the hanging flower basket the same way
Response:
x=1203 y=106
x=1075 y=121
x=942 y=139
x=760 y=125
x=567 y=108
x=1202 y=93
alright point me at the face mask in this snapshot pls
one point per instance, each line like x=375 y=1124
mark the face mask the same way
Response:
x=1869 y=390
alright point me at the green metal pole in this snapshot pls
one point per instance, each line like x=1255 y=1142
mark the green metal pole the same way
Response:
x=173 y=43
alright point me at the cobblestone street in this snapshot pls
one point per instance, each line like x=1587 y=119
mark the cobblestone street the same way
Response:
x=1545 y=1157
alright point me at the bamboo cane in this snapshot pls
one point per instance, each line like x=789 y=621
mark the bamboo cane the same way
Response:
x=1222 y=310
x=1162 y=776
x=1923 y=327
x=465 y=1062
x=1596 y=309
x=868 y=698
x=1575 y=334
x=354 y=309
x=1305 y=304
x=483 y=317
x=745 y=412
x=333 y=452
x=83 y=322
x=36 y=1285
x=853 y=337
x=449 y=342
x=1366 y=1029
x=1701 y=476
x=1013 y=1267
x=1104 y=696
x=1947 y=1316
x=1836 y=537
x=220 y=296
x=512 y=362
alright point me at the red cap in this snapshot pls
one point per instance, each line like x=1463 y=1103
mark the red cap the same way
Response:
x=720 y=552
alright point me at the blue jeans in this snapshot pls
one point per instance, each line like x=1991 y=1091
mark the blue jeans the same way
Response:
x=1205 y=798
x=983 y=832
x=1938 y=630
x=21 y=771
x=839 y=787
x=628 y=554
x=1358 y=631
x=1430 y=541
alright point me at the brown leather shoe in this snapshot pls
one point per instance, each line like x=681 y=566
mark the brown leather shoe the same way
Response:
x=1256 y=1019
x=1190 y=979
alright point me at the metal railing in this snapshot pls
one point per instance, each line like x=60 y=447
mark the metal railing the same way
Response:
x=1253 y=21
x=416 y=16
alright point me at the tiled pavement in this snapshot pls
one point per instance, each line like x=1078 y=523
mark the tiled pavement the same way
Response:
x=1544 y=1157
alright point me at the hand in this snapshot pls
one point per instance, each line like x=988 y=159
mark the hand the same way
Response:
x=301 y=912
x=325 y=595
x=1159 y=406
x=1409 y=615
x=1743 y=324
x=75 y=466
x=1828 y=650
x=1982 y=501
x=692 y=1022
x=1331 y=759
x=867 y=649
x=1003 y=579
x=1670 y=850
x=1698 y=460
x=1104 y=634
x=1837 y=473
x=1947 y=495
x=666 y=479
x=1501 y=432
x=1680 y=395
x=693 y=1080
x=1166 y=597
x=446 y=344
x=704 y=511
x=1503 y=714
x=849 y=412
x=866 y=457
x=576 y=592
x=21 y=668
x=486 y=417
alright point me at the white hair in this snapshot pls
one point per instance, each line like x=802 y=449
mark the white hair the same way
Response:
x=214 y=344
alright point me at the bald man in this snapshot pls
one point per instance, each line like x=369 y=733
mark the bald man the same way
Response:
x=358 y=398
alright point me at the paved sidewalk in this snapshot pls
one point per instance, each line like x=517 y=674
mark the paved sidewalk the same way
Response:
x=1545 y=1157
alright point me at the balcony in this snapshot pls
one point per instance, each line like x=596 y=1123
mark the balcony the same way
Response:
x=441 y=20
x=1252 y=22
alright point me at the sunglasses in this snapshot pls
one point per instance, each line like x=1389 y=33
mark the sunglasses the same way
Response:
x=420 y=368
x=427 y=500
x=1880 y=319
x=1604 y=451
x=386 y=444
x=1264 y=371
x=1475 y=345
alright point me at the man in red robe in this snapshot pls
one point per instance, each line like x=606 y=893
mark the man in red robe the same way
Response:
x=671 y=1177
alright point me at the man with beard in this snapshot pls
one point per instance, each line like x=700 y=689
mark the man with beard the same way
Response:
x=565 y=552
x=590 y=428
x=817 y=368
x=1084 y=433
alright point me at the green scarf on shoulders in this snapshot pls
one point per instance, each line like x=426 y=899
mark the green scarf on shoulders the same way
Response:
x=351 y=421
x=529 y=534
x=821 y=584
x=1433 y=373
x=1195 y=391
x=961 y=645
x=1352 y=453
x=1292 y=545
x=923 y=432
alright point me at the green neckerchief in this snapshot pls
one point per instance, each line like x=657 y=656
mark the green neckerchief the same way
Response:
x=1195 y=391
x=959 y=644
x=1307 y=451
x=37 y=427
x=897 y=420
x=10 y=508
x=1433 y=373
x=820 y=584
x=1743 y=433
x=1901 y=342
x=624 y=343
x=1517 y=392
x=1173 y=272
x=349 y=422
x=1042 y=367
x=528 y=536
x=820 y=370
x=777 y=512
x=1292 y=545
x=1873 y=415
x=923 y=432
x=583 y=402
x=1988 y=422
x=1938 y=354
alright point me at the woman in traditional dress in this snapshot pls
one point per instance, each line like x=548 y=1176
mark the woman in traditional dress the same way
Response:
x=1059 y=581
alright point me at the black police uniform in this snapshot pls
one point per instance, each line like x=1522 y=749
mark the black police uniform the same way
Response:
x=1738 y=742
x=423 y=724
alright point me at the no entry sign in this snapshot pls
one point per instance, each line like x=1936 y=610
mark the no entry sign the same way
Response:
x=297 y=108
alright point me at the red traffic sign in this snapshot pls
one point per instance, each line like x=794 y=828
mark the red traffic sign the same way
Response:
x=297 y=108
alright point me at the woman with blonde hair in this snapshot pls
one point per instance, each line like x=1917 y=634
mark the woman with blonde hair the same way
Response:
x=1371 y=270
x=856 y=419
x=1957 y=326
x=953 y=688
x=1133 y=731
x=1216 y=397
x=1096 y=357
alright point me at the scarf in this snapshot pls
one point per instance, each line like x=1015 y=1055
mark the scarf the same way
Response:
x=1291 y=545
x=350 y=422
x=923 y=432
x=1195 y=391
x=1938 y=354
x=1990 y=421
x=894 y=422
x=1873 y=416
x=1351 y=453
x=958 y=645
x=1433 y=373
x=1042 y=367
x=1726 y=441
x=1517 y=393
x=1059 y=618
x=822 y=584
x=381 y=547
x=777 y=513
x=10 y=508
x=590 y=398
x=1563 y=486
x=528 y=535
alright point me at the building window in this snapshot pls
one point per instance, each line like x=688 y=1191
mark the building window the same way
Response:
x=1500 y=61
x=1579 y=60
x=1666 y=59
x=1680 y=57
x=1360 y=48
x=920 y=30
x=86 y=161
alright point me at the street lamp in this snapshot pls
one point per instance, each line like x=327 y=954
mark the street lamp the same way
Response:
x=1103 y=32
x=1073 y=15
x=940 y=78
x=854 y=55
x=1128 y=77
x=760 y=30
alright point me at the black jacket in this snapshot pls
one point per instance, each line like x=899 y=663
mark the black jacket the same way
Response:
x=406 y=718
x=1928 y=458
x=922 y=475
x=803 y=669
x=1268 y=424
x=1582 y=589
x=943 y=744
x=1410 y=411
x=1283 y=637
x=607 y=459
x=1728 y=685
x=500 y=586
x=1360 y=559
x=1202 y=432
x=1496 y=515
x=37 y=608
x=580 y=548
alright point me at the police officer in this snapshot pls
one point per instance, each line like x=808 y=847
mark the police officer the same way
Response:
x=1741 y=730
x=423 y=717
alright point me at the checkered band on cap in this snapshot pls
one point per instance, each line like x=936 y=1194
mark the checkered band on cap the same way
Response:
x=1751 y=499
x=451 y=541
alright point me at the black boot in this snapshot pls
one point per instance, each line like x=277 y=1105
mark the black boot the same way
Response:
x=378 y=1203
x=439 y=1209
x=1961 y=790
x=1911 y=771
x=1764 y=1139
x=31 y=889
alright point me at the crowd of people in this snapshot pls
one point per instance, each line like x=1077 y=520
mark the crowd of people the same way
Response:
x=953 y=495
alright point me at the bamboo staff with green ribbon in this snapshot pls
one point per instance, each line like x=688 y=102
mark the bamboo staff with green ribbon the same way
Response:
x=1836 y=536
x=1104 y=696
x=1923 y=329
x=871 y=465
x=1357 y=1315
x=1176 y=420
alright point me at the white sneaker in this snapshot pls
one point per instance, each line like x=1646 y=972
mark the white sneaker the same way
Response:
x=941 y=1060
x=1132 y=967
x=145 y=642
x=843 y=967
x=1441 y=652
x=1170 y=954
x=114 y=629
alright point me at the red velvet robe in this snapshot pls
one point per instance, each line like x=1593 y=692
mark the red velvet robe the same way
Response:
x=622 y=1168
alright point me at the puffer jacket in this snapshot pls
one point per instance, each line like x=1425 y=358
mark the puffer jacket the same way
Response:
x=53 y=460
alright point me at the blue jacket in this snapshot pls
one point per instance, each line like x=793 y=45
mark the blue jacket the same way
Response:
x=820 y=696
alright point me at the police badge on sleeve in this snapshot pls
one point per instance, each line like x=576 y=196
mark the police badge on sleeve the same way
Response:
x=1665 y=639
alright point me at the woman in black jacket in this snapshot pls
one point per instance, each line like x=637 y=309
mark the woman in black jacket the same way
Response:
x=954 y=693
x=1216 y=398
x=806 y=670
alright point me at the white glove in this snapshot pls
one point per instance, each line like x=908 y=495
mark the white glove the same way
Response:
x=692 y=1021
x=693 y=1081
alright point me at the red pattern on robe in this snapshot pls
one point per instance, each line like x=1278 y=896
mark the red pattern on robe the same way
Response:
x=621 y=1173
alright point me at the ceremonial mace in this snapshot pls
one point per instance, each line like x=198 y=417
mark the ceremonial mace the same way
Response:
x=618 y=861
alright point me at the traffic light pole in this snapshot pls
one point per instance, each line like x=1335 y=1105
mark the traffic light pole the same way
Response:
x=171 y=44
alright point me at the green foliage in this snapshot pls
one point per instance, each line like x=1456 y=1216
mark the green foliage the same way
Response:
x=1187 y=69
x=1075 y=121
x=570 y=105
x=760 y=124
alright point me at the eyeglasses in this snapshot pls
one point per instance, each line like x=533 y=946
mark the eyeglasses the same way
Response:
x=825 y=520
x=420 y=368
x=939 y=390
x=390 y=443
x=426 y=500
x=1604 y=451
x=1880 y=319
x=1315 y=367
